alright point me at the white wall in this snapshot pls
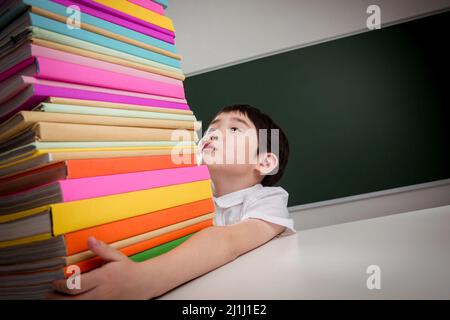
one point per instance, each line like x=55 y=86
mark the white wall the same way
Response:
x=215 y=33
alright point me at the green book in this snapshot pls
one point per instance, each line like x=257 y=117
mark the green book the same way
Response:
x=156 y=251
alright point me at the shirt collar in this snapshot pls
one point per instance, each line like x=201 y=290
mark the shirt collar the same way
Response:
x=236 y=197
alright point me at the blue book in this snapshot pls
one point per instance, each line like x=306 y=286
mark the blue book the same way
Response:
x=33 y=19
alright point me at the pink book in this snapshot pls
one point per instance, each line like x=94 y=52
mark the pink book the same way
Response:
x=94 y=187
x=34 y=91
x=150 y=5
x=39 y=51
x=164 y=86
x=66 y=69
x=23 y=81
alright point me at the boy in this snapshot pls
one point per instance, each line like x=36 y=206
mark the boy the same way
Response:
x=249 y=212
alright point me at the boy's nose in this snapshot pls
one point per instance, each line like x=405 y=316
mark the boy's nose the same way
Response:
x=210 y=136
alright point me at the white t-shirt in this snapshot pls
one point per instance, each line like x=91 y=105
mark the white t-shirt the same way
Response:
x=265 y=203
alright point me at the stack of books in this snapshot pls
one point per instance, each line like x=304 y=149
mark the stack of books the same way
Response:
x=96 y=139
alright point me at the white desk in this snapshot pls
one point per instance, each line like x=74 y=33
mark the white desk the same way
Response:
x=412 y=250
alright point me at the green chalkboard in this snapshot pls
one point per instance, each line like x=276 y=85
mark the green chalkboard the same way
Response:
x=363 y=113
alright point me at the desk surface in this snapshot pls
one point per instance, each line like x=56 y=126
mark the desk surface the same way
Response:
x=411 y=249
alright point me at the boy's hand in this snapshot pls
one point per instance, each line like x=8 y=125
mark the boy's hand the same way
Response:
x=206 y=250
x=119 y=278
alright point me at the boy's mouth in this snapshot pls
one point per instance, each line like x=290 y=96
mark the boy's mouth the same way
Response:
x=208 y=145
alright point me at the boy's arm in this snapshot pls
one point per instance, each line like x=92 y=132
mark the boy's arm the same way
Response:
x=206 y=250
x=209 y=249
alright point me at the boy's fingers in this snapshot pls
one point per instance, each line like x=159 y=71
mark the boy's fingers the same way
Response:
x=90 y=295
x=104 y=251
x=88 y=281
x=56 y=296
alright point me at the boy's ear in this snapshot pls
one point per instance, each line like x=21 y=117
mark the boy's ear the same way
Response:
x=268 y=162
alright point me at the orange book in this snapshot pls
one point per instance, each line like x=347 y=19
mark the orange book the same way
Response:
x=77 y=241
x=84 y=168
x=95 y=262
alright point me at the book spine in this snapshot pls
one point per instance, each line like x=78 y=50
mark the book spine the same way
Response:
x=16 y=68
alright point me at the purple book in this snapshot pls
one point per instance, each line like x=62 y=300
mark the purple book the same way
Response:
x=36 y=91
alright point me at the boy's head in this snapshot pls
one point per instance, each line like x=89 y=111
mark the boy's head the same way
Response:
x=244 y=143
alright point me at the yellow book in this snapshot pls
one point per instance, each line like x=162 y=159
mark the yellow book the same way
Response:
x=61 y=218
x=139 y=12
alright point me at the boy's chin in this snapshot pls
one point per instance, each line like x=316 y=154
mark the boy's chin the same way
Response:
x=233 y=169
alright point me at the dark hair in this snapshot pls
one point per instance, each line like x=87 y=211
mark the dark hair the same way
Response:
x=263 y=121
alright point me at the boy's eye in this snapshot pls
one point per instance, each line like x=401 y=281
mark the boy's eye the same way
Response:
x=234 y=129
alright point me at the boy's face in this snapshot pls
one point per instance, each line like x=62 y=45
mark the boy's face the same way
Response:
x=230 y=143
